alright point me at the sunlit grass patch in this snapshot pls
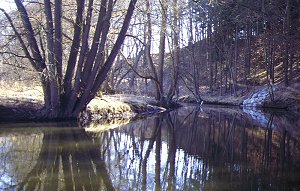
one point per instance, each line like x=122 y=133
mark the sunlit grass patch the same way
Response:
x=106 y=107
x=21 y=91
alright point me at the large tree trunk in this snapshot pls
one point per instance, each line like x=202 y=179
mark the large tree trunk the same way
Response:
x=84 y=75
x=100 y=73
x=148 y=52
x=161 y=54
x=192 y=57
x=54 y=109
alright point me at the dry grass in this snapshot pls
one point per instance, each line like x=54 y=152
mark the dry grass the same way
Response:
x=17 y=94
x=106 y=107
x=122 y=106
x=287 y=97
x=20 y=91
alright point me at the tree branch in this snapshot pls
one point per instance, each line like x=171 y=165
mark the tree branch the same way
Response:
x=19 y=37
x=134 y=70
x=30 y=36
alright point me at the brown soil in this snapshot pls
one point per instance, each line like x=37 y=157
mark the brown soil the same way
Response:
x=19 y=110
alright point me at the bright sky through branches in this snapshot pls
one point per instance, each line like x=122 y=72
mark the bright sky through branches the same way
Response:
x=7 y=4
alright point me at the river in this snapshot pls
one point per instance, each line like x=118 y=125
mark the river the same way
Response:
x=192 y=148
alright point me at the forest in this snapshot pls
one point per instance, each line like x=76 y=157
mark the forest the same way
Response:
x=149 y=95
x=76 y=50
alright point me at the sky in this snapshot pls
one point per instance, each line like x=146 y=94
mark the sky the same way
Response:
x=7 y=4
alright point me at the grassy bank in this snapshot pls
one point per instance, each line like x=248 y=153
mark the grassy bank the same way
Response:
x=22 y=103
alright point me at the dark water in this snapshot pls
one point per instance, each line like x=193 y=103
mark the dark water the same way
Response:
x=188 y=149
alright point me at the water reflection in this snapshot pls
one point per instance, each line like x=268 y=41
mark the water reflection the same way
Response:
x=187 y=149
x=67 y=159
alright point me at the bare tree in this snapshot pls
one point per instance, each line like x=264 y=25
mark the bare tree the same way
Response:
x=67 y=92
x=175 y=57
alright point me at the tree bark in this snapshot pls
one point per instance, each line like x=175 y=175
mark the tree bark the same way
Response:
x=175 y=61
x=65 y=98
x=100 y=77
x=161 y=56
x=58 y=51
x=50 y=67
x=148 y=52
x=83 y=53
x=74 y=50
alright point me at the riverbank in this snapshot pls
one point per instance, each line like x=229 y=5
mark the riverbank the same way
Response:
x=22 y=104
x=26 y=104
x=215 y=100
x=122 y=106
x=269 y=96
x=275 y=96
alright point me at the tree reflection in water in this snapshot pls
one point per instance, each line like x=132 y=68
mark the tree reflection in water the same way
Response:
x=194 y=150
x=68 y=160
x=186 y=149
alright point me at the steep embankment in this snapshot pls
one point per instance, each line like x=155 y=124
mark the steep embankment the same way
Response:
x=277 y=96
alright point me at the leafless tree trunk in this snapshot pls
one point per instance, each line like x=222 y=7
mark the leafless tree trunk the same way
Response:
x=161 y=54
x=148 y=52
x=66 y=95
x=247 y=54
x=175 y=57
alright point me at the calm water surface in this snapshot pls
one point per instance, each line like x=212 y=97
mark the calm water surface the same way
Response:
x=187 y=149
